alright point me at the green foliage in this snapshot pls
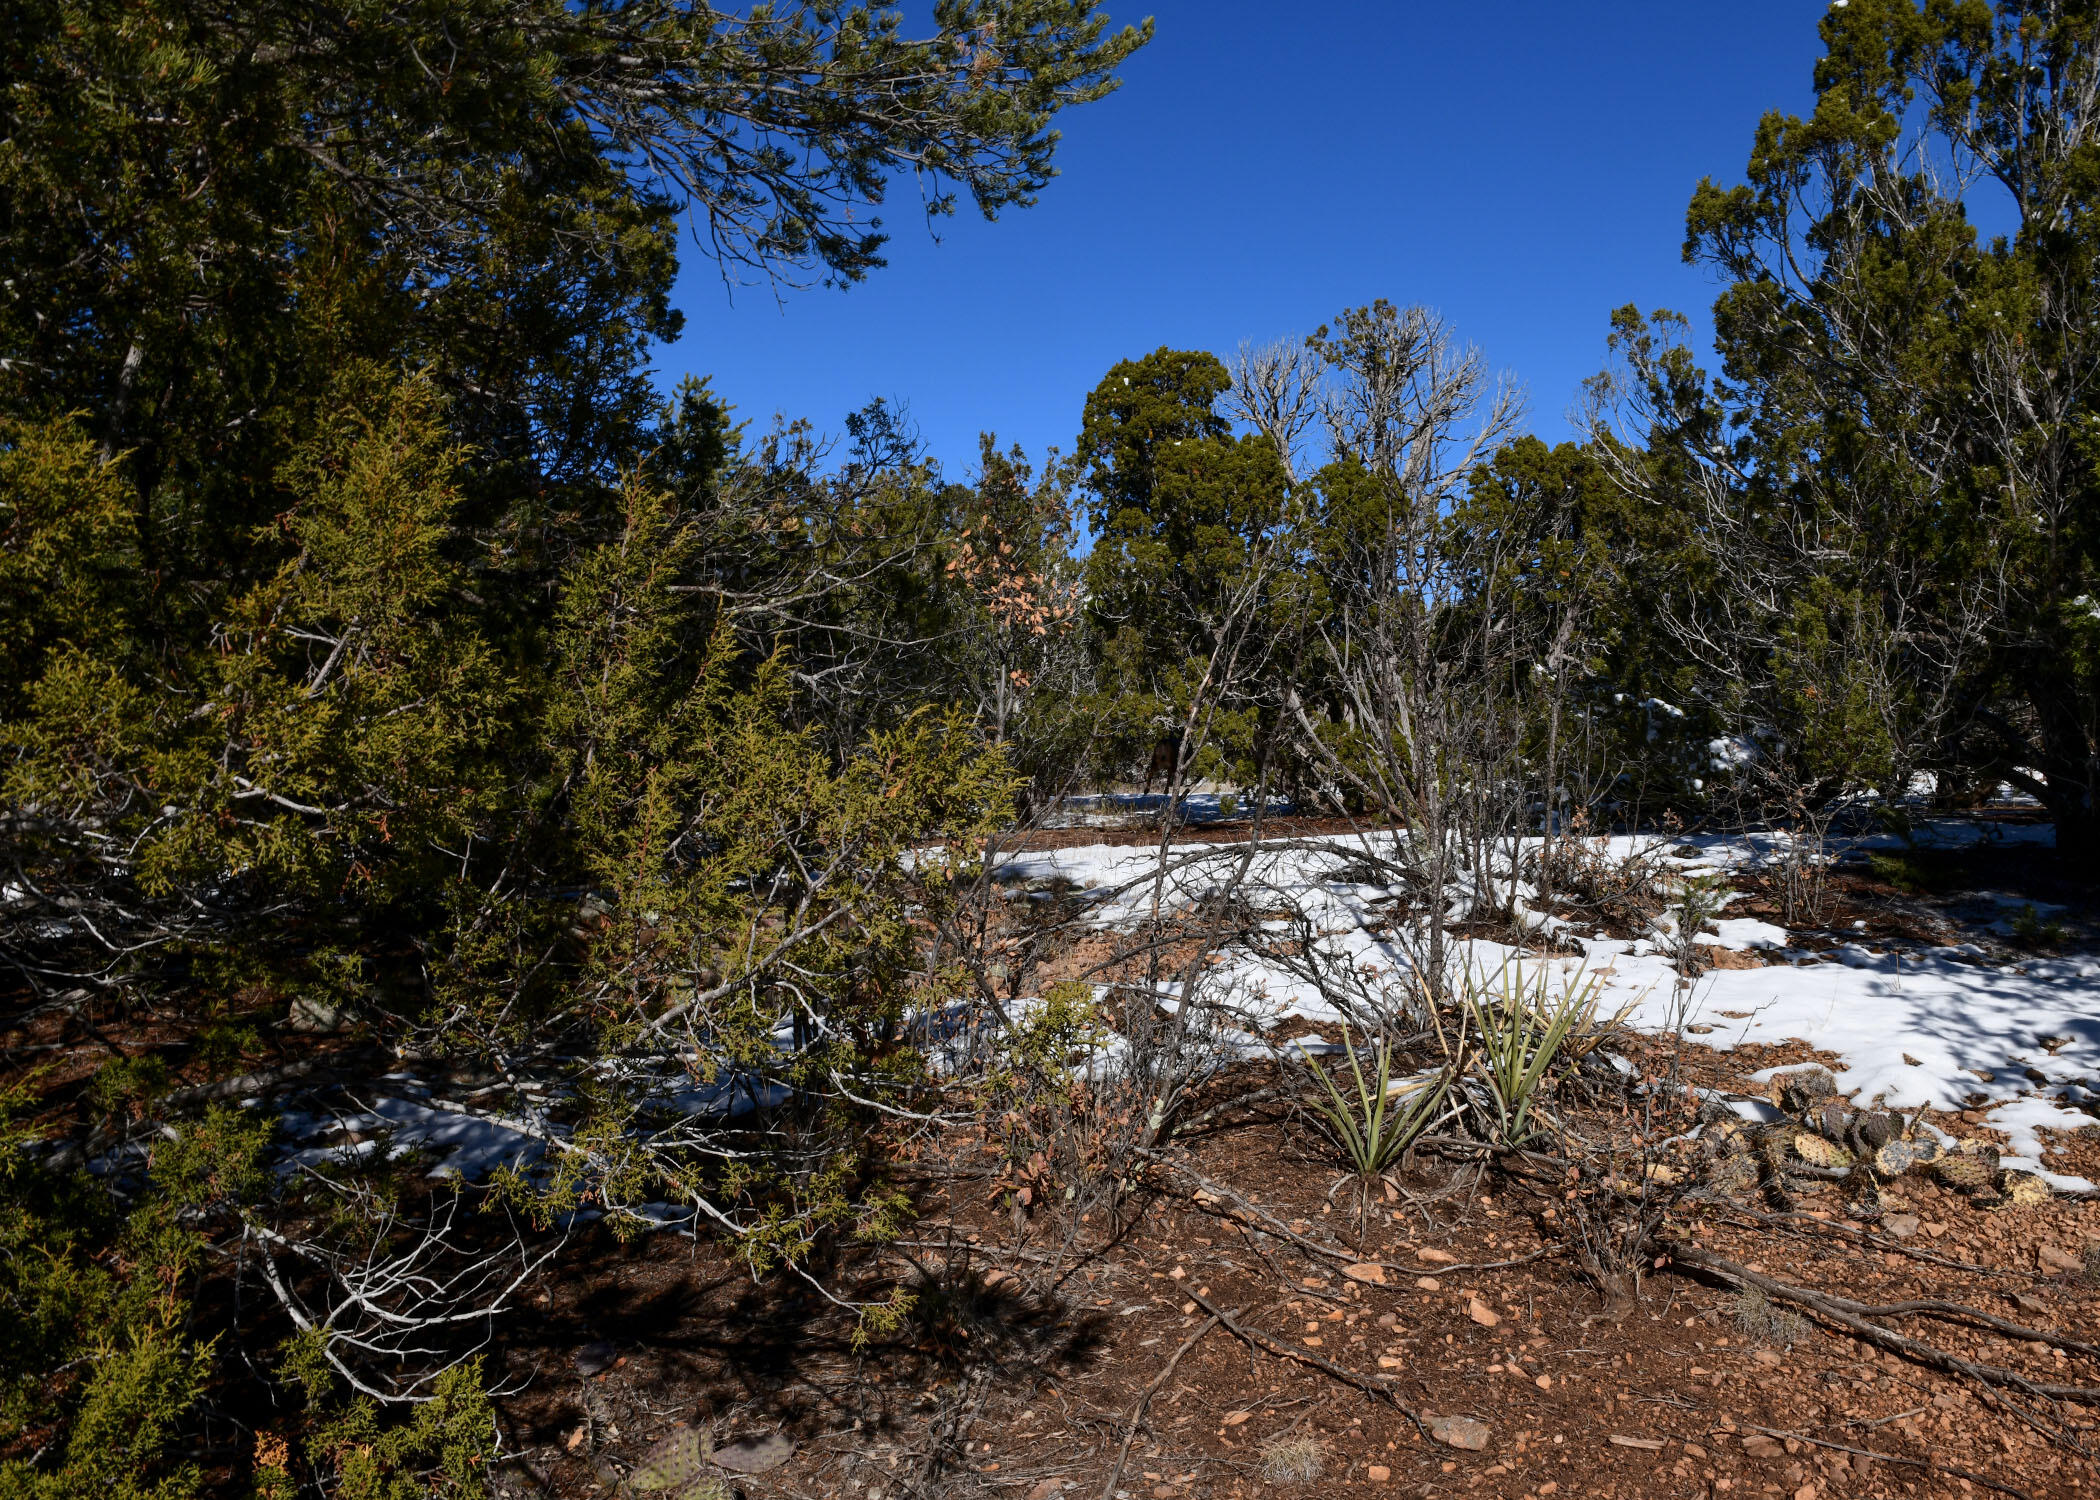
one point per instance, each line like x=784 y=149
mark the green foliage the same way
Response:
x=1520 y=1034
x=1186 y=519
x=371 y=636
x=101 y=1370
x=1901 y=437
x=443 y=1449
x=1372 y=1129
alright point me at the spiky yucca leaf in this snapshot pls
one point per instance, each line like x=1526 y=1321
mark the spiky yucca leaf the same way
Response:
x=1372 y=1129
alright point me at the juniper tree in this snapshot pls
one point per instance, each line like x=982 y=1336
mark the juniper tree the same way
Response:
x=1896 y=452
x=375 y=642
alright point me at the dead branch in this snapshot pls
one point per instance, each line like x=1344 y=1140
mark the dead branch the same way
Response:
x=1797 y=1223
x=1270 y=1224
x=1137 y=1412
x=1829 y=1309
x=1370 y=1385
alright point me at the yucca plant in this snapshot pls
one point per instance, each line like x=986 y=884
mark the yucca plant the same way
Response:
x=1520 y=1033
x=1373 y=1128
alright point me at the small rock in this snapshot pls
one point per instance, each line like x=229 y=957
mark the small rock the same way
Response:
x=1459 y=1432
x=1902 y=1226
x=1757 y=1445
x=1429 y=1284
x=1045 y=1489
x=2027 y=1304
x=1482 y=1314
x=1732 y=958
x=1234 y=1418
x=1436 y=1257
x=2053 y=1259
x=1388 y=1320
x=594 y=1358
x=755 y=1455
x=1164 y=1492
x=1378 y=1473
x=1768 y=1357
x=1391 y=1362
x=1544 y=1382
x=1369 y=1271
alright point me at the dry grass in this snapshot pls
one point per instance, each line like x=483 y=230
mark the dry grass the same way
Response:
x=1757 y=1319
x=1293 y=1460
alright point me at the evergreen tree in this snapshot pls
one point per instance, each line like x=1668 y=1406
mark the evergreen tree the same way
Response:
x=1899 y=440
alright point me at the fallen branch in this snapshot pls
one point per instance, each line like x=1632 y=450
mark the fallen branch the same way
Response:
x=1849 y=1315
x=1954 y=1310
x=1798 y=1223
x=1368 y=1384
x=1137 y=1412
x=233 y=1088
x=1894 y=1458
x=1544 y=1252
x=1887 y=1338
x=1270 y=1224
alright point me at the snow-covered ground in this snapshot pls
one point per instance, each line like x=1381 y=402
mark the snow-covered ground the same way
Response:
x=1947 y=1027
x=1941 y=1027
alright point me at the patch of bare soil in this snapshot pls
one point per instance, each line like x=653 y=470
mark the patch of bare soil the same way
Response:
x=1222 y=1345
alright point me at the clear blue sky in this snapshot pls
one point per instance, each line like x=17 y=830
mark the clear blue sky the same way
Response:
x=1523 y=168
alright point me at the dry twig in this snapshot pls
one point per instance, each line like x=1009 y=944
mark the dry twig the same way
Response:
x=1368 y=1384
x=1137 y=1412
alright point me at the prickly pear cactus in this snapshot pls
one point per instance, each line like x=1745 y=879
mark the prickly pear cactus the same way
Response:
x=1965 y=1171
x=678 y=1465
x=1899 y=1156
x=2023 y=1189
x=1819 y=1152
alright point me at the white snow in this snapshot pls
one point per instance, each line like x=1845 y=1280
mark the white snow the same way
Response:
x=472 y=1145
x=1936 y=1028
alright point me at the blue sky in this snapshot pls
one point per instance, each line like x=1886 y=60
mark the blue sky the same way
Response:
x=1523 y=168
